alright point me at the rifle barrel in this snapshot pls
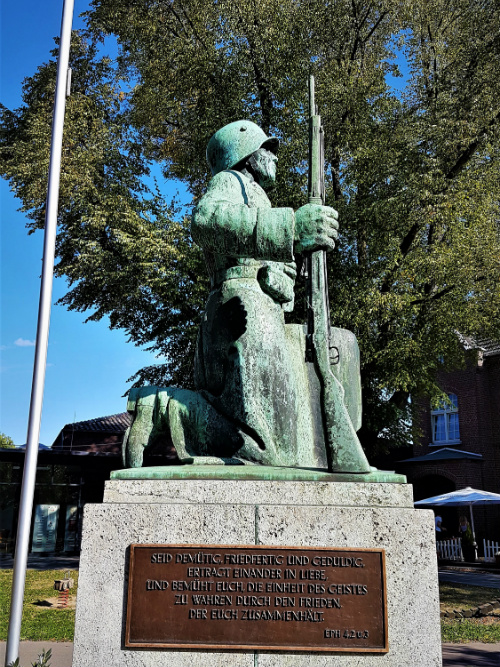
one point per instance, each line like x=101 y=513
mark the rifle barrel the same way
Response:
x=312 y=106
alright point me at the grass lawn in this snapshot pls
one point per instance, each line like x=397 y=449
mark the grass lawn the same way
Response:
x=44 y=624
x=463 y=630
x=39 y=623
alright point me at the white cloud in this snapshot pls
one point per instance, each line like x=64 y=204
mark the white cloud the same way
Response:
x=22 y=342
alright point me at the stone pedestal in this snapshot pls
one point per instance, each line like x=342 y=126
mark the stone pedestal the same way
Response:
x=274 y=513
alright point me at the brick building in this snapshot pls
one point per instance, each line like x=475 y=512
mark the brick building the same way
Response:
x=460 y=445
x=69 y=474
x=102 y=436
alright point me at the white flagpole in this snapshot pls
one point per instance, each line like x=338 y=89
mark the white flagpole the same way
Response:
x=42 y=338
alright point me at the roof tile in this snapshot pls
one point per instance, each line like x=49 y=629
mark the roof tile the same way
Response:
x=110 y=424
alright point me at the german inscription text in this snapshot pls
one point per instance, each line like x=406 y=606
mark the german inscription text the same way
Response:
x=256 y=597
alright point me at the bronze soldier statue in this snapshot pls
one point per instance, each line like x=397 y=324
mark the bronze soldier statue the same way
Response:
x=257 y=399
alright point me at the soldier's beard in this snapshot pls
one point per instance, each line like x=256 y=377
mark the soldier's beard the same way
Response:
x=263 y=169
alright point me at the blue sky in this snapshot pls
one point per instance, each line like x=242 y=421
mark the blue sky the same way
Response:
x=88 y=364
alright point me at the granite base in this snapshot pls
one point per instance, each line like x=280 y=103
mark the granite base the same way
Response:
x=292 y=513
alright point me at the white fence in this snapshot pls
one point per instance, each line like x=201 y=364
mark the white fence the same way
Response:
x=490 y=549
x=450 y=549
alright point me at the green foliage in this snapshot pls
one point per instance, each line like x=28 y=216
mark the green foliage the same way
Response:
x=420 y=244
x=39 y=622
x=6 y=441
x=464 y=630
x=124 y=250
x=415 y=176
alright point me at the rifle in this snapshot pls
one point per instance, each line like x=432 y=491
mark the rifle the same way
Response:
x=318 y=306
x=343 y=449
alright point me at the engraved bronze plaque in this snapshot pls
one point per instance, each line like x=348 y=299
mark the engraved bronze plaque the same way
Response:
x=256 y=598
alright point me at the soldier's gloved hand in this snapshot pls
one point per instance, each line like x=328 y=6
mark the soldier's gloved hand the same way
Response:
x=315 y=228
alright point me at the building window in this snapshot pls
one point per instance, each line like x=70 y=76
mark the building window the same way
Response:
x=445 y=426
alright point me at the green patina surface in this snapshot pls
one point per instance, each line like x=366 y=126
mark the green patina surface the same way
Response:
x=254 y=472
x=259 y=397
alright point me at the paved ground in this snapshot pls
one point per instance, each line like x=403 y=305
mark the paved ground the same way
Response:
x=62 y=653
x=454 y=655
x=36 y=562
x=468 y=578
x=472 y=655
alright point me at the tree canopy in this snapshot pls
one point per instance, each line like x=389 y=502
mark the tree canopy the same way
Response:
x=6 y=441
x=414 y=173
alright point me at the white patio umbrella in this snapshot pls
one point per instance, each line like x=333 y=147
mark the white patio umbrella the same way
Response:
x=462 y=497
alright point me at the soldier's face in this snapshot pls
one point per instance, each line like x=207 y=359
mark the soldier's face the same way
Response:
x=264 y=166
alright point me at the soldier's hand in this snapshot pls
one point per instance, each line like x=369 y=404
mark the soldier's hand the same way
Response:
x=315 y=228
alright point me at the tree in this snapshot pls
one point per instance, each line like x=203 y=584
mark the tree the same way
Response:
x=414 y=176
x=422 y=234
x=6 y=441
x=123 y=249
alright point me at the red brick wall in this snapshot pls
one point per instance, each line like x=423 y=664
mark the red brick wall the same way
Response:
x=477 y=387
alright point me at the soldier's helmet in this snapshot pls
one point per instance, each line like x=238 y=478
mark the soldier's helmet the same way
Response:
x=235 y=142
